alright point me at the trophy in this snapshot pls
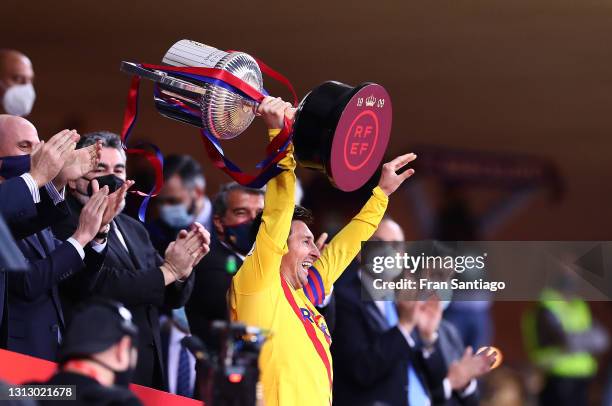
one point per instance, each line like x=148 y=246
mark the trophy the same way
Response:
x=340 y=130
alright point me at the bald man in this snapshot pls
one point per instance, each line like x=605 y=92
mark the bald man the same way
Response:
x=16 y=90
x=20 y=183
x=28 y=167
x=32 y=179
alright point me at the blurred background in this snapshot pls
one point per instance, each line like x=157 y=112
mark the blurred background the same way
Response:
x=473 y=84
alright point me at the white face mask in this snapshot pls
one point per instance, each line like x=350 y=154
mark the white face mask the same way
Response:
x=19 y=99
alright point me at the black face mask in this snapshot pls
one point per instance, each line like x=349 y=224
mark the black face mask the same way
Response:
x=112 y=181
x=122 y=378
x=239 y=237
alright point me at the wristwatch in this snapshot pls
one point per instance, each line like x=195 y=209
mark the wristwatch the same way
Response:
x=103 y=234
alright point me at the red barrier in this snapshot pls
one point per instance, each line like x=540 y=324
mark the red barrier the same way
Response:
x=17 y=368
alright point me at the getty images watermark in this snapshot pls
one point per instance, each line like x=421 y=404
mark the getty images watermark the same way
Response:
x=499 y=270
x=434 y=266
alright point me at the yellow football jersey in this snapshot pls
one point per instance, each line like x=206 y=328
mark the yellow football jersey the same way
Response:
x=295 y=362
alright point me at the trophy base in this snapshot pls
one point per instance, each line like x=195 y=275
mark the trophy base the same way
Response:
x=343 y=131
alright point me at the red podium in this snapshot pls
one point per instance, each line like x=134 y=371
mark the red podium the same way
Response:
x=17 y=368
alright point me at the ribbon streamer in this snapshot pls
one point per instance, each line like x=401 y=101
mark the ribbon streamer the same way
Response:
x=275 y=150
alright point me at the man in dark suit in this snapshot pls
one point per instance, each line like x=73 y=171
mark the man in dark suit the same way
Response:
x=180 y=362
x=372 y=357
x=452 y=378
x=392 y=353
x=25 y=172
x=234 y=209
x=35 y=319
x=133 y=273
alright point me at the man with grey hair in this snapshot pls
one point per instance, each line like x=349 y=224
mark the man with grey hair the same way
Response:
x=133 y=273
x=16 y=90
x=234 y=209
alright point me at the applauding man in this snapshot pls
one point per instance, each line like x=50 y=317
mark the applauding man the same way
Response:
x=31 y=195
x=133 y=273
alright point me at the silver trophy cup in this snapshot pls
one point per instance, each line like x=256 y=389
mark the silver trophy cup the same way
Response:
x=223 y=113
x=338 y=129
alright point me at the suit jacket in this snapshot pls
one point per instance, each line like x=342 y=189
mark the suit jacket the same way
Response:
x=35 y=317
x=23 y=218
x=451 y=348
x=209 y=301
x=132 y=277
x=17 y=206
x=370 y=359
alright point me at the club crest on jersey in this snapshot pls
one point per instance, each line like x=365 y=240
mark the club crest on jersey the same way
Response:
x=317 y=320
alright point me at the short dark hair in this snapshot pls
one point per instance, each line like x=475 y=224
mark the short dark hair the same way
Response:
x=303 y=214
x=108 y=139
x=186 y=168
x=299 y=214
x=220 y=200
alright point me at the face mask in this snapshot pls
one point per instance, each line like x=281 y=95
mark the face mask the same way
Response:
x=123 y=378
x=176 y=216
x=112 y=181
x=239 y=237
x=19 y=99
x=13 y=166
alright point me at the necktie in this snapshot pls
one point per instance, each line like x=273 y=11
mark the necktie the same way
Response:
x=417 y=396
x=183 y=376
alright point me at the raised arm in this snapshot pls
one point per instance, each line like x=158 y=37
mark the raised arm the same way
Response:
x=262 y=266
x=343 y=248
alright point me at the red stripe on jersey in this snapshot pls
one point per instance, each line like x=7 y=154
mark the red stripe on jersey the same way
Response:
x=310 y=331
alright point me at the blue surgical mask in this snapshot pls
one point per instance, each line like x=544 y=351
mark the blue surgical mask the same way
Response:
x=176 y=216
x=239 y=237
x=13 y=166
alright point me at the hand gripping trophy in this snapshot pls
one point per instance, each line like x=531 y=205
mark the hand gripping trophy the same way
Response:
x=340 y=130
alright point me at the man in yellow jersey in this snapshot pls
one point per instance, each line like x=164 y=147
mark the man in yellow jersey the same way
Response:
x=285 y=276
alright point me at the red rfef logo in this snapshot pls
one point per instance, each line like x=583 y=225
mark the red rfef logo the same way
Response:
x=360 y=140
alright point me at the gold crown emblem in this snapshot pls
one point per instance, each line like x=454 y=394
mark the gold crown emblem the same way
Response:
x=370 y=101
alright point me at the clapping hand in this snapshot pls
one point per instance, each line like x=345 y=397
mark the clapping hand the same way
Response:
x=48 y=159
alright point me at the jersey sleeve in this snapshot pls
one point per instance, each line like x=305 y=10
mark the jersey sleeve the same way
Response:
x=343 y=248
x=261 y=267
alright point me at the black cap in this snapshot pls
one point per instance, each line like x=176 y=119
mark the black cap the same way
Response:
x=96 y=326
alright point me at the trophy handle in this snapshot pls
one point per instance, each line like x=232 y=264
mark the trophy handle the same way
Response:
x=160 y=77
x=172 y=82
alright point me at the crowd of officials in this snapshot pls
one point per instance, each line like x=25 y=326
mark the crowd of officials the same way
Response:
x=110 y=299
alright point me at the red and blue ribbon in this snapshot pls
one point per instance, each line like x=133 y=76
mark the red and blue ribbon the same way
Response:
x=275 y=150
x=314 y=289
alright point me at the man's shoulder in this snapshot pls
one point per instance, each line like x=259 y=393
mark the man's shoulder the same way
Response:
x=112 y=396
x=90 y=392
